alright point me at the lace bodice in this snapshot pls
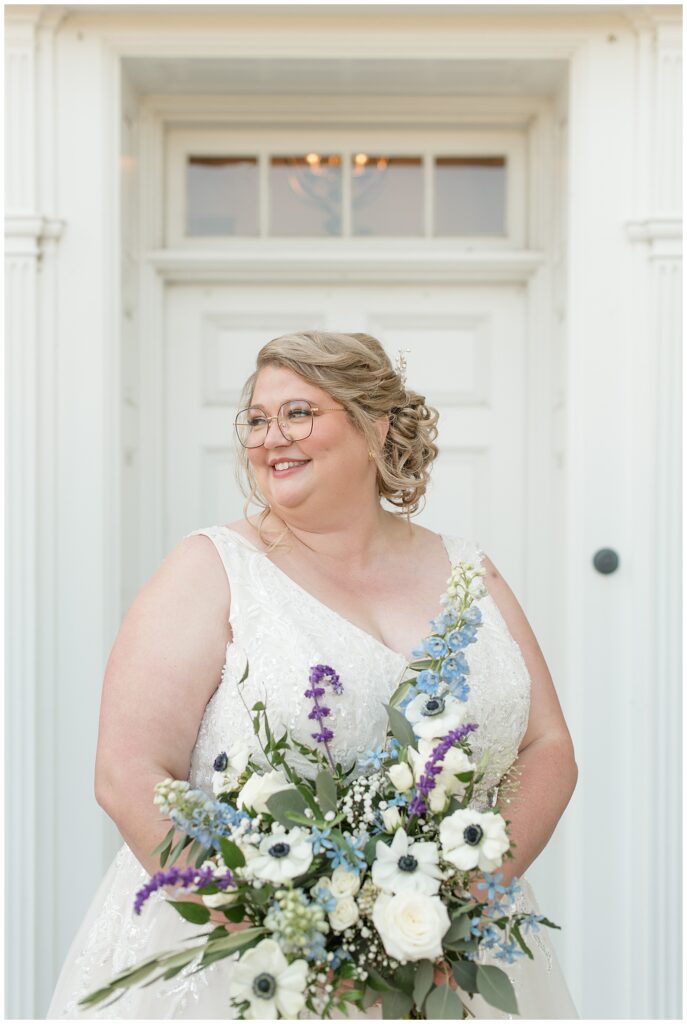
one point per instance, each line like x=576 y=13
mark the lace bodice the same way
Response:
x=282 y=630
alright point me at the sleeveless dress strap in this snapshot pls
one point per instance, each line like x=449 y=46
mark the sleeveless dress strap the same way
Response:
x=233 y=549
x=462 y=550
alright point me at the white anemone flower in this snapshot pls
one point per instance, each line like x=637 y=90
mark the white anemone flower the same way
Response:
x=471 y=839
x=281 y=855
x=434 y=717
x=273 y=987
x=406 y=866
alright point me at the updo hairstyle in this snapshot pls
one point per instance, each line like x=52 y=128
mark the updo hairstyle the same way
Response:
x=356 y=371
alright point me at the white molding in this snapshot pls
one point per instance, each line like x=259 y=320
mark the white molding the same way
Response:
x=423 y=111
x=361 y=264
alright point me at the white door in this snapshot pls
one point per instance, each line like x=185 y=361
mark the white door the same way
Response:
x=467 y=356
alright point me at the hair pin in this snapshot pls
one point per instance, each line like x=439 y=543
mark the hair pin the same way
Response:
x=401 y=366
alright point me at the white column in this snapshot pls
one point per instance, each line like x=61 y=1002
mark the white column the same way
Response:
x=31 y=236
x=655 y=229
x=623 y=492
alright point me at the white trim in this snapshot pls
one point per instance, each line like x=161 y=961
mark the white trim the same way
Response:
x=355 y=264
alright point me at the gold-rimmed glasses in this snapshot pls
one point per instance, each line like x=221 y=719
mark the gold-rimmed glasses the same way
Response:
x=295 y=420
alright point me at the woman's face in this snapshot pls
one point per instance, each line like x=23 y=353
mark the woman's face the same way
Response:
x=333 y=463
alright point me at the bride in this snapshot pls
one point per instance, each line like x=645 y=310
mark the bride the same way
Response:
x=325 y=574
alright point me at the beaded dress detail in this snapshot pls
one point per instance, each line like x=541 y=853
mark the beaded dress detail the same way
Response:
x=281 y=630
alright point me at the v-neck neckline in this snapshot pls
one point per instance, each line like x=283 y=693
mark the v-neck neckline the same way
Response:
x=328 y=608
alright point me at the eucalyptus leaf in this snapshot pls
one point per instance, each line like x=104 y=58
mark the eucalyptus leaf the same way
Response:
x=325 y=788
x=395 y=1005
x=401 y=727
x=196 y=913
x=178 y=848
x=376 y=981
x=460 y=929
x=424 y=975
x=404 y=978
x=465 y=973
x=442 y=1003
x=165 y=844
x=495 y=986
x=232 y=855
x=371 y=996
x=234 y=941
x=286 y=800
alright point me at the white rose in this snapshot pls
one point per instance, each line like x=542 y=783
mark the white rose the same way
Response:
x=401 y=777
x=391 y=818
x=220 y=899
x=344 y=883
x=345 y=915
x=411 y=925
x=260 y=788
x=438 y=800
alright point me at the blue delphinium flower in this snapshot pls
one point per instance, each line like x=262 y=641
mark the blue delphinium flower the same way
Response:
x=356 y=846
x=452 y=667
x=374 y=758
x=510 y=952
x=459 y=688
x=474 y=925
x=472 y=615
x=418 y=652
x=492 y=883
x=338 y=859
x=456 y=640
x=435 y=646
x=319 y=839
x=444 y=621
x=428 y=681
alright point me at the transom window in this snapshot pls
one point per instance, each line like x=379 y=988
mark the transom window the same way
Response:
x=226 y=186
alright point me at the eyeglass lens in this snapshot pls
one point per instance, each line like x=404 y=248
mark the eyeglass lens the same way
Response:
x=295 y=420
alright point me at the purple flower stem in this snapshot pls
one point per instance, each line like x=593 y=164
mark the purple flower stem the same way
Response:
x=198 y=877
x=417 y=806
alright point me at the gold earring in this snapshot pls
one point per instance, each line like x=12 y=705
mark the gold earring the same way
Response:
x=371 y=455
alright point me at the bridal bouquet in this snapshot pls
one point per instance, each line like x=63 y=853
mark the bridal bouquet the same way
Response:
x=350 y=890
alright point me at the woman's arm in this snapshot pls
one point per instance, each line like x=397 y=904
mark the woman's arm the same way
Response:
x=545 y=771
x=165 y=665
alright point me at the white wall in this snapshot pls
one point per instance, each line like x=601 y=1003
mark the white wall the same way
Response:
x=615 y=428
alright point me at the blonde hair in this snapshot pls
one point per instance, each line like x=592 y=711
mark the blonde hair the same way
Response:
x=356 y=371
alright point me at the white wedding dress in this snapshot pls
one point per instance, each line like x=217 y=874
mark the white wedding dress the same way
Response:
x=282 y=630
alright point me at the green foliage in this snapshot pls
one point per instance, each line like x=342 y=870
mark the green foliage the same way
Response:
x=424 y=975
x=325 y=788
x=442 y=1003
x=395 y=1005
x=401 y=727
x=495 y=986
x=232 y=855
x=280 y=804
x=465 y=973
x=193 y=912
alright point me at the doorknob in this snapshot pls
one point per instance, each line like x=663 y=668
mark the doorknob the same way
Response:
x=606 y=560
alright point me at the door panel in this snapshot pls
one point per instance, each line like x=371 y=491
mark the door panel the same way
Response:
x=467 y=356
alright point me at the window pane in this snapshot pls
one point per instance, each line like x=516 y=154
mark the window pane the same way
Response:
x=305 y=195
x=470 y=195
x=387 y=195
x=222 y=195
